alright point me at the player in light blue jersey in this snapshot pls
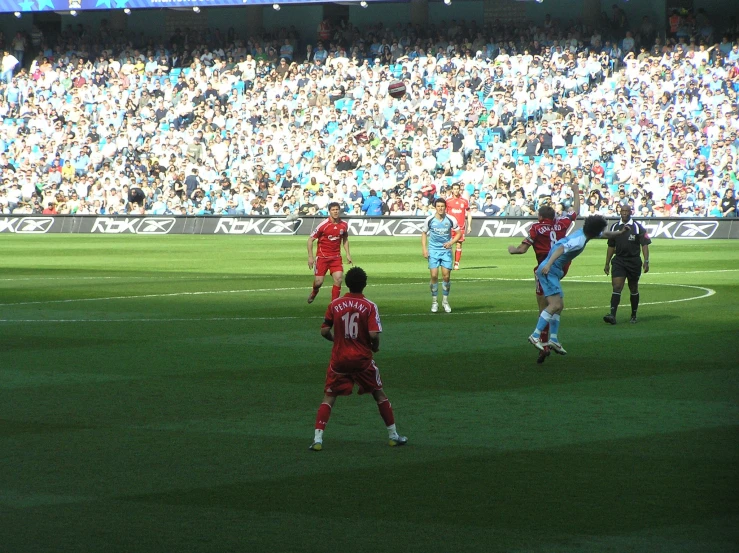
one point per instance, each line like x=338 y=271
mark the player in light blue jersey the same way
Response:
x=550 y=271
x=440 y=233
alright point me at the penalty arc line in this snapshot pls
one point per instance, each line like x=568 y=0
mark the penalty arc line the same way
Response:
x=708 y=292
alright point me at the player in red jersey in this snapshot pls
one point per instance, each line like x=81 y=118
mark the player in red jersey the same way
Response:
x=542 y=235
x=331 y=234
x=459 y=208
x=356 y=336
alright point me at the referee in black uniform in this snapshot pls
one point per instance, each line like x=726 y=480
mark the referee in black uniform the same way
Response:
x=623 y=261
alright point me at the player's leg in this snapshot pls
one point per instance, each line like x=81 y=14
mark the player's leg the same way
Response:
x=458 y=253
x=446 y=282
x=634 y=289
x=338 y=276
x=541 y=301
x=434 y=284
x=555 y=307
x=319 y=271
x=386 y=412
x=552 y=290
x=324 y=413
x=618 y=279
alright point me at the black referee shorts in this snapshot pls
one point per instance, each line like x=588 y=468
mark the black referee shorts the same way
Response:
x=628 y=267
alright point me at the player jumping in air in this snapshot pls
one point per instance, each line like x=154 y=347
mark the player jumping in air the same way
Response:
x=440 y=233
x=551 y=271
x=459 y=208
x=542 y=236
x=626 y=264
x=356 y=336
x=330 y=234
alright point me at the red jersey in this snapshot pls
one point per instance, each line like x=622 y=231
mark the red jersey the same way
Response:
x=329 y=236
x=458 y=208
x=543 y=235
x=352 y=317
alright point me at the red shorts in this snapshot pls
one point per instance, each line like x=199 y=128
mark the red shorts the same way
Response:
x=341 y=384
x=539 y=291
x=327 y=265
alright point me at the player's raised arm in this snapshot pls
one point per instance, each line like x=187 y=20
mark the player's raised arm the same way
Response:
x=576 y=199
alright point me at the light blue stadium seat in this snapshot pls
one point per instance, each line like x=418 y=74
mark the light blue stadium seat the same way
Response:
x=488 y=103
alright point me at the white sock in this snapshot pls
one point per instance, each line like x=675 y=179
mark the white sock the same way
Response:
x=319 y=436
x=392 y=432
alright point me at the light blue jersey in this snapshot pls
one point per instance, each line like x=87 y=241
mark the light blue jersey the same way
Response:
x=573 y=246
x=439 y=232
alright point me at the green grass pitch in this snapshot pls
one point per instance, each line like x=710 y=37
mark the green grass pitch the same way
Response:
x=159 y=394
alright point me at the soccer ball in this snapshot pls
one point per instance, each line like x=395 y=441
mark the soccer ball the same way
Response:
x=396 y=89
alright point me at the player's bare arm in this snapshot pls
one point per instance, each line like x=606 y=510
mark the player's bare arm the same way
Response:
x=454 y=240
x=614 y=234
x=559 y=251
x=311 y=259
x=326 y=333
x=345 y=242
x=609 y=256
x=576 y=198
x=645 y=252
x=424 y=245
x=520 y=249
x=375 y=341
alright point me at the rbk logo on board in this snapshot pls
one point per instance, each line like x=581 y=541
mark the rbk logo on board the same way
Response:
x=139 y=225
x=26 y=225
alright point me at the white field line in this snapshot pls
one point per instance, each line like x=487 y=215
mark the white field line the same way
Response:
x=707 y=293
x=243 y=277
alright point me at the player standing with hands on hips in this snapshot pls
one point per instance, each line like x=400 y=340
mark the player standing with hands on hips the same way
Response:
x=331 y=234
x=352 y=323
x=624 y=263
x=459 y=208
x=440 y=233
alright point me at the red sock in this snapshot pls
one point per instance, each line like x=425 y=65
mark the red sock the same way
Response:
x=386 y=412
x=324 y=412
x=335 y=292
x=544 y=337
x=457 y=256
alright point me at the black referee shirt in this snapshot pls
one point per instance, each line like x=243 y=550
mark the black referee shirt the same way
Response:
x=628 y=245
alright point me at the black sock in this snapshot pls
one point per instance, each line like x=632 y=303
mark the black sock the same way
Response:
x=615 y=300
x=634 y=303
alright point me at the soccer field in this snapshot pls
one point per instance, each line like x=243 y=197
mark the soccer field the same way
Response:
x=159 y=394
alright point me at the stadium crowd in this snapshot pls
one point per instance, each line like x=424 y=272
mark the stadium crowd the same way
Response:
x=210 y=123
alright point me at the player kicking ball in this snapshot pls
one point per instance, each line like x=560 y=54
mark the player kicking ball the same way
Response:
x=352 y=323
x=550 y=272
x=331 y=234
x=440 y=233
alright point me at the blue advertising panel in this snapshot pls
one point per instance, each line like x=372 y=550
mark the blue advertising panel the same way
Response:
x=66 y=5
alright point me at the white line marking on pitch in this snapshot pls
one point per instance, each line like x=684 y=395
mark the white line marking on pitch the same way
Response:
x=241 y=277
x=708 y=292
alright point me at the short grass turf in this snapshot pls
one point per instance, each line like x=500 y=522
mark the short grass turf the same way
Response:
x=159 y=394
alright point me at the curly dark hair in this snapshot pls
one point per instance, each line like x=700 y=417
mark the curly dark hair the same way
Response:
x=594 y=225
x=356 y=280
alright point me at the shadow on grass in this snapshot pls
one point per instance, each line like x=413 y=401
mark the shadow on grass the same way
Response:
x=605 y=487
